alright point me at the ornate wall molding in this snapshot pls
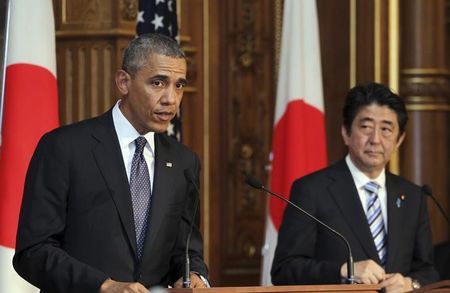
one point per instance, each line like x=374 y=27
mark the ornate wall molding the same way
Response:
x=129 y=9
x=426 y=88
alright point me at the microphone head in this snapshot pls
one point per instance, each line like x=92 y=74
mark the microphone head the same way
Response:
x=189 y=174
x=253 y=182
x=427 y=190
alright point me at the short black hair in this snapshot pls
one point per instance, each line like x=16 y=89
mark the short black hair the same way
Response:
x=136 y=54
x=373 y=93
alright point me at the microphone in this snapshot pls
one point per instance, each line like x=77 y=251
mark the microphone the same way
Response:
x=253 y=182
x=189 y=174
x=427 y=190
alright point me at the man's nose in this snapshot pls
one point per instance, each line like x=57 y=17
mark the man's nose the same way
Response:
x=375 y=135
x=170 y=95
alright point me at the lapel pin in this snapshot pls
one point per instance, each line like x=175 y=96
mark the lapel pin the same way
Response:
x=399 y=200
x=169 y=165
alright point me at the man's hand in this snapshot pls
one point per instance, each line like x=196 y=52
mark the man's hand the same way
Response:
x=110 y=286
x=366 y=272
x=396 y=283
x=196 y=282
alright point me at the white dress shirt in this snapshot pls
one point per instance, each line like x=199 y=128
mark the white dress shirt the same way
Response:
x=361 y=179
x=127 y=135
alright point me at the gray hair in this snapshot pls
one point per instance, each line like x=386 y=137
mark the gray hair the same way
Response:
x=136 y=54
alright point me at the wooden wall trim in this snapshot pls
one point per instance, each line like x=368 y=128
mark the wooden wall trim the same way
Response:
x=425 y=86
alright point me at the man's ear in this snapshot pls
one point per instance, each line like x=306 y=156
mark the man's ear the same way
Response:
x=122 y=81
x=400 y=140
x=344 y=134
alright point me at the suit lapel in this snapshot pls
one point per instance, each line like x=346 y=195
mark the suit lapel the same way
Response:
x=162 y=187
x=347 y=199
x=109 y=159
x=395 y=215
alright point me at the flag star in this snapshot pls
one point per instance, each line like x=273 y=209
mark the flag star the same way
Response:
x=170 y=130
x=159 y=1
x=170 y=30
x=158 y=21
x=140 y=16
x=169 y=5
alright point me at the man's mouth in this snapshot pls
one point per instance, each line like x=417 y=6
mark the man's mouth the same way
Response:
x=164 y=115
x=373 y=153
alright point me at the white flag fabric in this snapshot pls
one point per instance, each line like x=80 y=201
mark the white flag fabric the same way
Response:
x=298 y=145
x=30 y=108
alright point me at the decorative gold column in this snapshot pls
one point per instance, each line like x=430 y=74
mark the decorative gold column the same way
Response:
x=424 y=84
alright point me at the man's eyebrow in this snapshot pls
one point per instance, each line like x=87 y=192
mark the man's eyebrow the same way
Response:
x=369 y=119
x=366 y=119
x=183 y=81
x=387 y=122
x=160 y=76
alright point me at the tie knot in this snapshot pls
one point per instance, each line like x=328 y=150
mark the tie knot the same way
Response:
x=372 y=187
x=140 y=144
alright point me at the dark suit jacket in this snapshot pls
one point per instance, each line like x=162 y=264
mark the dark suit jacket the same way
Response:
x=309 y=254
x=76 y=225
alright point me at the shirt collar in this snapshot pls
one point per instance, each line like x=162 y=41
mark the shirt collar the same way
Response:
x=126 y=132
x=360 y=178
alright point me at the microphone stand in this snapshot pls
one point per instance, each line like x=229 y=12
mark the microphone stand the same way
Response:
x=427 y=190
x=350 y=268
x=187 y=269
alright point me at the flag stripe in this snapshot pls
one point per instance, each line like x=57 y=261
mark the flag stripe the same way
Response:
x=298 y=146
x=10 y=281
x=300 y=73
x=34 y=31
x=30 y=108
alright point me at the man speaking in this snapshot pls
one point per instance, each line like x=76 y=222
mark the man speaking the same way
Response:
x=107 y=206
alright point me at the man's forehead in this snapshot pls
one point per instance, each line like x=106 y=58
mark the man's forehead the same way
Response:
x=166 y=59
x=165 y=66
x=377 y=113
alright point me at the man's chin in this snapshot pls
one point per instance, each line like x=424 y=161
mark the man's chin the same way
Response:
x=159 y=127
x=160 y=130
x=374 y=163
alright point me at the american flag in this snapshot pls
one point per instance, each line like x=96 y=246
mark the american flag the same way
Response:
x=160 y=16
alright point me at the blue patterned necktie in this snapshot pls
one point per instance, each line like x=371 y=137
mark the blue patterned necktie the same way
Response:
x=375 y=220
x=140 y=193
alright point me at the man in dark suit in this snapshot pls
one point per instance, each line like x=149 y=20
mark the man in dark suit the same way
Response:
x=383 y=216
x=107 y=205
